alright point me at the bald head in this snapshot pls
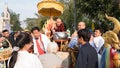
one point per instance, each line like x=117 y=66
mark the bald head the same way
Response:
x=58 y=19
x=58 y=22
x=81 y=25
x=52 y=47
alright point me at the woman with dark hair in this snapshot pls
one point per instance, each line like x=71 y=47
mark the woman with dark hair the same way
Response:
x=22 y=58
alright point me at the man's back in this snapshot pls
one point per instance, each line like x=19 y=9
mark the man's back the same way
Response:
x=87 y=57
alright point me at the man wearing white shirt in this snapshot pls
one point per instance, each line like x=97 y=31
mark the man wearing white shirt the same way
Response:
x=98 y=42
x=40 y=41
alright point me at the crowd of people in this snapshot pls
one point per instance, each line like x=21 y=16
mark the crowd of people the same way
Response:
x=34 y=49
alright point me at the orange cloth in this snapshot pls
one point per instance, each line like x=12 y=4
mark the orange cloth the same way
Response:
x=39 y=48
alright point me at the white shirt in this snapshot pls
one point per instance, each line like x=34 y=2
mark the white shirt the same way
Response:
x=97 y=43
x=45 y=41
x=27 y=60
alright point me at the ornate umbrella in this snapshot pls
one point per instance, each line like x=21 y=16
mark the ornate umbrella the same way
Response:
x=50 y=8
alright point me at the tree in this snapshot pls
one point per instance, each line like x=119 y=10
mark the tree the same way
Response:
x=39 y=21
x=96 y=9
x=14 y=21
x=91 y=11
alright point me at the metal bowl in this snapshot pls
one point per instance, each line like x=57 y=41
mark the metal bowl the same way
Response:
x=60 y=35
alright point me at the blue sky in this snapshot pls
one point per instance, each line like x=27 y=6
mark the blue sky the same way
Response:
x=26 y=8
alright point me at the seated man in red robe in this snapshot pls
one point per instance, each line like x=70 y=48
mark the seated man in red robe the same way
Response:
x=59 y=27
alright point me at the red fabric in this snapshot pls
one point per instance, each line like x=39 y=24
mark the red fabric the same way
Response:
x=111 y=58
x=41 y=41
x=60 y=28
x=39 y=48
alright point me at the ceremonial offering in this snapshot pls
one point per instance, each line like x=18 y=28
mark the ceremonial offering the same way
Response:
x=5 y=50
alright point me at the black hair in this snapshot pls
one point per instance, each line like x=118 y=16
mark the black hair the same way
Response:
x=5 y=31
x=21 y=40
x=100 y=29
x=35 y=28
x=85 y=34
x=13 y=33
x=16 y=32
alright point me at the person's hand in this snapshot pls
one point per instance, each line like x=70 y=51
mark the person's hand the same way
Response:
x=74 y=35
x=2 y=39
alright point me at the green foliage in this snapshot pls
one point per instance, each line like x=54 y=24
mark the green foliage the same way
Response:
x=91 y=11
x=39 y=21
x=96 y=9
x=14 y=21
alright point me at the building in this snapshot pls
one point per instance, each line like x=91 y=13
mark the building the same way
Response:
x=5 y=19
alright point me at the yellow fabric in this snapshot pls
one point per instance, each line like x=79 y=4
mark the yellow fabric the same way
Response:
x=50 y=8
x=93 y=27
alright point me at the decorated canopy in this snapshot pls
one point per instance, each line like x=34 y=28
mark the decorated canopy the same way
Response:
x=50 y=8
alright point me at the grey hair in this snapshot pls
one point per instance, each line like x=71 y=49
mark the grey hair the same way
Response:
x=52 y=47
